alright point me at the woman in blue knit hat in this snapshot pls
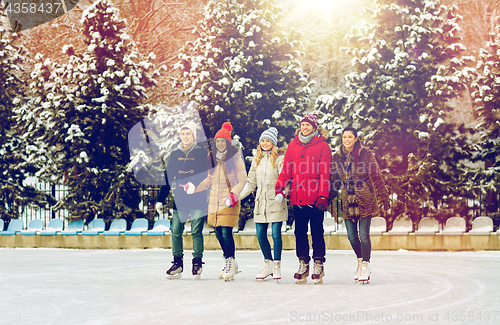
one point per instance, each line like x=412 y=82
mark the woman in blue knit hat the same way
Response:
x=263 y=174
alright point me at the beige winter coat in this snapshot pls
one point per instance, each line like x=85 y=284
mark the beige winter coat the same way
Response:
x=263 y=177
x=219 y=214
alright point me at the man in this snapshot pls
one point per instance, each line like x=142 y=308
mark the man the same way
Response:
x=188 y=163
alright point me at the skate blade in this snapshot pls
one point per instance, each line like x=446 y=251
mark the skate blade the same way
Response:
x=262 y=279
x=318 y=281
x=300 y=281
x=228 y=279
x=197 y=276
x=174 y=276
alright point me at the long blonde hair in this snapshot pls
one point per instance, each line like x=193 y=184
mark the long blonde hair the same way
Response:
x=275 y=152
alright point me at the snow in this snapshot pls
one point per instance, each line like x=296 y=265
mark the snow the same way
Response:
x=60 y=286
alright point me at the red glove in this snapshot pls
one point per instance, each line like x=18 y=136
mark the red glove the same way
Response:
x=322 y=203
x=232 y=200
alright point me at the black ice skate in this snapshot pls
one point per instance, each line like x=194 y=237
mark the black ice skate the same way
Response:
x=318 y=272
x=175 y=272
x=302 y=273
x=197 y=267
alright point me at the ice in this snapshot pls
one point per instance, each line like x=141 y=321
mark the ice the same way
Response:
x=61 y=286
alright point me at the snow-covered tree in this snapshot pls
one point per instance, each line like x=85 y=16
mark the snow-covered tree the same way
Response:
x=244 y=67
x=81 y=113
x=486 y=102
x=14 y=165
x=406 y=68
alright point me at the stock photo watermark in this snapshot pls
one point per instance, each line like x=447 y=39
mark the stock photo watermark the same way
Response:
x=366 y=316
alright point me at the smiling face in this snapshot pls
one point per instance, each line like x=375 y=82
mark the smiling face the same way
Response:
x=349 y=140
x=306 y=128
x=187 y=138
x=266 y=144
x=221 y=144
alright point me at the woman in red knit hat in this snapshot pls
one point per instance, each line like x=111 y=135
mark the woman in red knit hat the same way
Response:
x=226 y=178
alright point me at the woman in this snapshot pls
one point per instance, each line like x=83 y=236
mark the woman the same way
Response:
x=226 y=178
x=307 y=169
x=356 y=172
x=263 y=174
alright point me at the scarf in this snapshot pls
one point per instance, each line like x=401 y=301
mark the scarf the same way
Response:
x=306 y=139
x=220 y=155
x=352 y=202
x=188 y=149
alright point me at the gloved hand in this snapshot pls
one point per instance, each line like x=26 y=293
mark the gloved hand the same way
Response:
x=322 y=203
x=232 y=200
x=188 y=188
x=280 y=194
x=159 y=207
x=387 y=205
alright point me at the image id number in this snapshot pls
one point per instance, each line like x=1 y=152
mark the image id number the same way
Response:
x=470 y=316
x=32 y=8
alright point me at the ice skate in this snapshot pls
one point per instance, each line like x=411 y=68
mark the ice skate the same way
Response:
x=277 y=270
x=302 y=273
x=221 y=273
x=230 y=269
x=358 y=270
x=318 y=272
x=197 y=267
x=175 y=271
x=266 y=271
x=364 y=276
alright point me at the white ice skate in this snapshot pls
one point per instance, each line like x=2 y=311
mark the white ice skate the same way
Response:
x=266 y=271
x=364 y=276
x=230 y=270
x=302 y=273
x=318 y=272
x=277 y=270
x=358 y=270
x=221 y=273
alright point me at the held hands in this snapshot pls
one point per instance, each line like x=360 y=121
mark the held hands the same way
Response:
x=232 y=200
x=159 y=207
x=188 y=188
x=322 y=203
x=280 y=194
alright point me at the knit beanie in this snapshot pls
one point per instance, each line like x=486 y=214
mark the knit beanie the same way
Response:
x=311 y=119
x=191 y=126
x=225 y=132
x=270 y=134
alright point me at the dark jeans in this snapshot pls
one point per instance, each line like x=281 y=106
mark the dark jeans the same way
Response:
x=309 y=215
x=360 y=239
x=225 y=237
x=178 y=223
x=265 y=247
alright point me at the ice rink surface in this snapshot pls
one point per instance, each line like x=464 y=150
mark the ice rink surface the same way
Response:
x=62 y=286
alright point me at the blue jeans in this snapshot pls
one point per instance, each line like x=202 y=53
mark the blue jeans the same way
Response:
x=305 y=215
x=265 y=247
x=360 y=241
x=177 y=228
x=225 y=237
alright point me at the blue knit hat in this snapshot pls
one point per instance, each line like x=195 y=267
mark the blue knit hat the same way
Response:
x=270 y=134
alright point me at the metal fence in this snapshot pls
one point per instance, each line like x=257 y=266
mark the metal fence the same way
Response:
x=146 y=205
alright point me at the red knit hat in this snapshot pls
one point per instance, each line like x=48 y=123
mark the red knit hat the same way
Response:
x=311 y=119
x=225 y=132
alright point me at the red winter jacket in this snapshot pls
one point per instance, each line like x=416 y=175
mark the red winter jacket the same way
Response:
x=307 y=168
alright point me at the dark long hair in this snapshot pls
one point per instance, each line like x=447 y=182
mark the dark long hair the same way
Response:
x=212 y=160
x=357 y=145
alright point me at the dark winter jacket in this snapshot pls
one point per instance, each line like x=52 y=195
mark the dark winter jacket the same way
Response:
x=181 y=169
x=367 y=181
x=307 y=169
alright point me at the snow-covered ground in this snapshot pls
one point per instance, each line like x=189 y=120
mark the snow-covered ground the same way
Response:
x=60 y=286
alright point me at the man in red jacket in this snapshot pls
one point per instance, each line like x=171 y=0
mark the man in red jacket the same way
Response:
x=307 y=169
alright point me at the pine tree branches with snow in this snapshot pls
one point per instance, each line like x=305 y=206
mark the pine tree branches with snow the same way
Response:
x=406 y=68
x=14 y=195
x=80 y=115
x=244 y=67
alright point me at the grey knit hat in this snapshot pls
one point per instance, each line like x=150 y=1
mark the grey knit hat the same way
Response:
x=270 y=134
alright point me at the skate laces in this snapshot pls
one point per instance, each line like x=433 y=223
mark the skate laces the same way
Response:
x=318 y=268
x=302 y=267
